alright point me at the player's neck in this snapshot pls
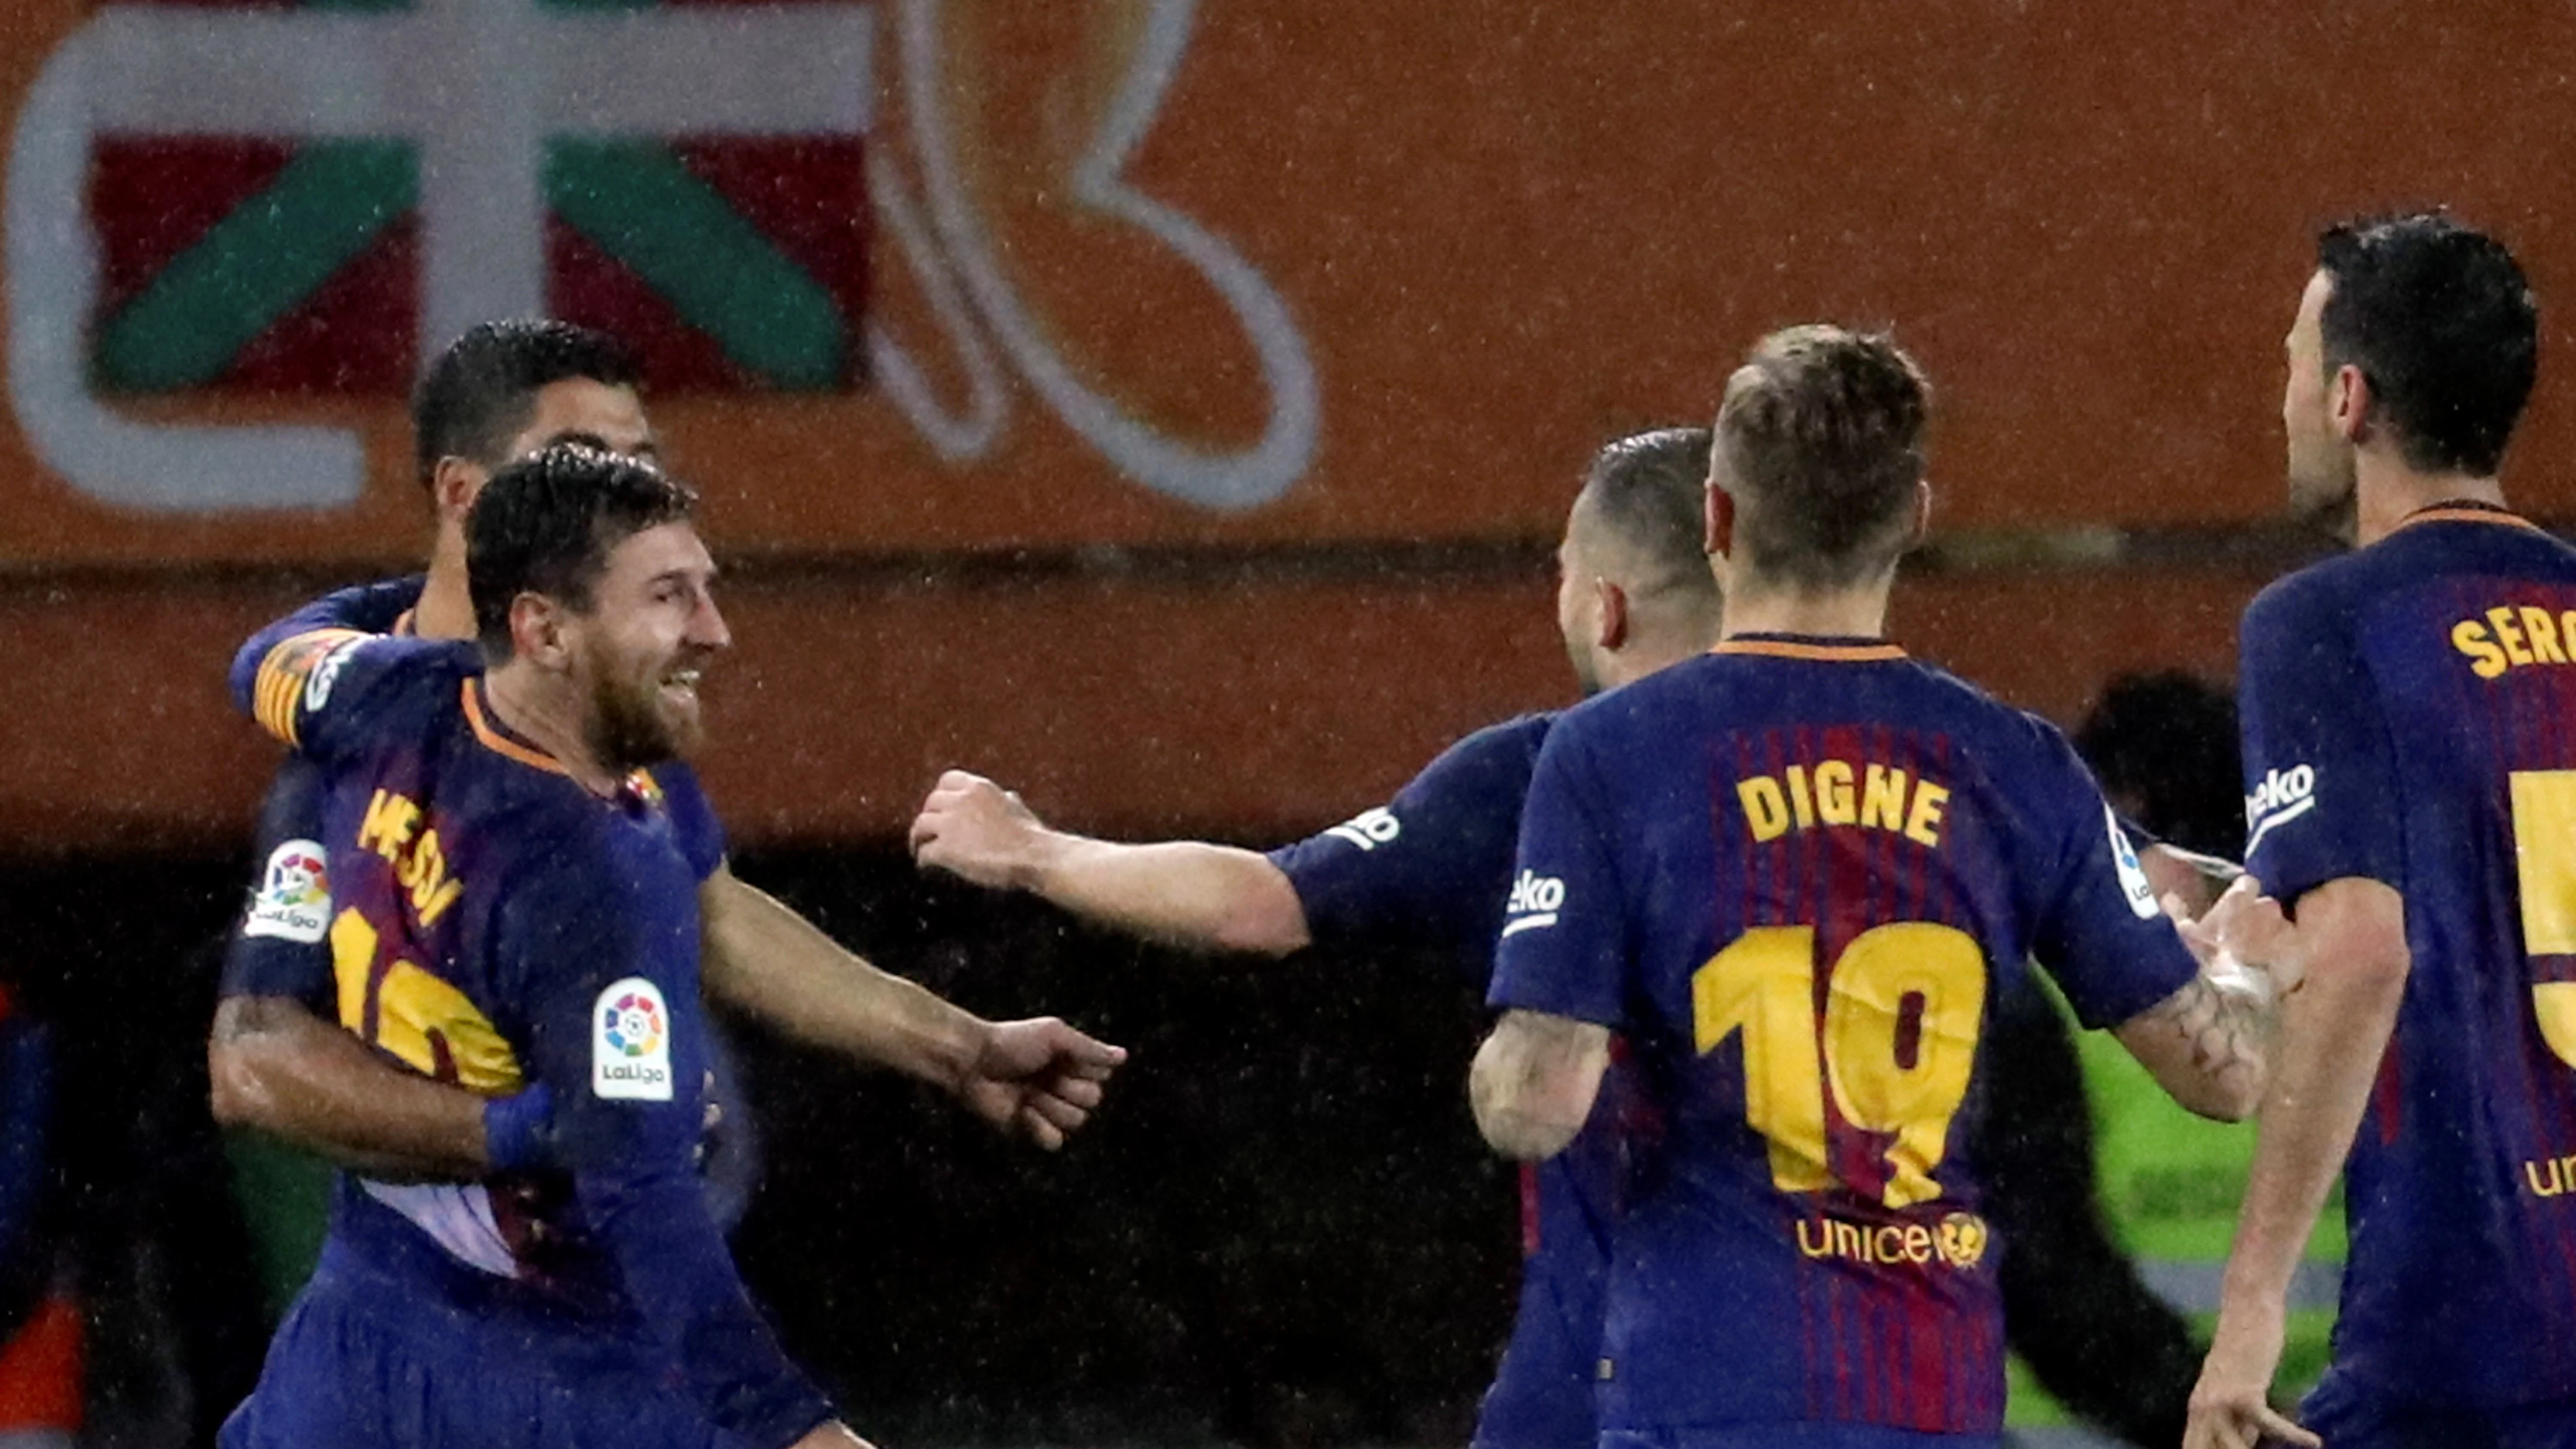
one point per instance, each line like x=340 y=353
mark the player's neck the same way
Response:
x=446 y=607
x=1754 y=606
x=546 y=711
x=2386 y=491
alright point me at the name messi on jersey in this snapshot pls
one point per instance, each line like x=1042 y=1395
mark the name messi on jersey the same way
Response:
x=1841 y=792
x=392 y=828
x=2514 y=636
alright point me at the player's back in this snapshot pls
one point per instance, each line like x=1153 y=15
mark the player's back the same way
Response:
x=1796 y=873
x=2411 y=718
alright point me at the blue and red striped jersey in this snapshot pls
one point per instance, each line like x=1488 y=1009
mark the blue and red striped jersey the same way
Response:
x=2410 y=717
x=495 y=924
x=1794 y=875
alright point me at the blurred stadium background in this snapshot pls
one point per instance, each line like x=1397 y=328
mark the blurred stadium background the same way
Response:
x=1167 y=409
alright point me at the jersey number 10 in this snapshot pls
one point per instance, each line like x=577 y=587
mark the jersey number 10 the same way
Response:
x=1764 y=985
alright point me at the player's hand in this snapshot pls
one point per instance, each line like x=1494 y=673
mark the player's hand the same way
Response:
x=2231 y=1405
x=2249 y=927
x=1039 y=1078
x=974 y=828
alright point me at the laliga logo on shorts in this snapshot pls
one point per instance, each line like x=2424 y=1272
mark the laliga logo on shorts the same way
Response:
x=482 y=87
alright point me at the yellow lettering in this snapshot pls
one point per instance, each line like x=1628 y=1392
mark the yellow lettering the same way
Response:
x=2544 y=635
x=1834 y=803
x=1766 y=815
x=2557 y=1178
x=2485 y=660
x=1918 y=1243
x=1824 y=1242
x=2507 y=635
x=1888 y=1244
x=388 y=824
x=1882 y=798
x=1923 y=827
x=1798 y=797
x=424 y=870
x=1848 y=1242
x=436 y=906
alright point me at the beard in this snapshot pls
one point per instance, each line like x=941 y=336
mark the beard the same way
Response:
x=630 y=728
x=2323 y=490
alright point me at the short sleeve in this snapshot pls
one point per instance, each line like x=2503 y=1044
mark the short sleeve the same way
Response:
x=1432 y=865
x=278 y=947
x=2321 y=792
x=694 y=826
x=1564 y=945
x=2100 y=932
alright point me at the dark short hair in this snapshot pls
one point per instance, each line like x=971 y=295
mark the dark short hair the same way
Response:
x=2165 y=743
x=1823 y=436
x=2440 y=319
x=1647 y=491
x=546 y=525
x=482 y=390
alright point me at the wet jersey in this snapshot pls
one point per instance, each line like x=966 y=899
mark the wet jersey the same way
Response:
x=276 y=947
x=2410 y=717
x=495 y=924
x=1795 y=874
x=1431 y=868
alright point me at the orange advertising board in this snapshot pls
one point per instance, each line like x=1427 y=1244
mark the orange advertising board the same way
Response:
x=927 y=276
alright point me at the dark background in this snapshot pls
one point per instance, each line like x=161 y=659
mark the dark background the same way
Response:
x=1280 y=1230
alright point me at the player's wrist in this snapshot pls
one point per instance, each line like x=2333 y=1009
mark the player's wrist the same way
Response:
x=518 y=1130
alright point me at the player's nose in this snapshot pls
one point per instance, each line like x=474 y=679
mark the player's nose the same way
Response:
x=707 y=628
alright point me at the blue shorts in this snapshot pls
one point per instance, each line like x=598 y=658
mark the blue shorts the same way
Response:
x=355 y=1366
x=1803 y=1435
x=2347 y=1420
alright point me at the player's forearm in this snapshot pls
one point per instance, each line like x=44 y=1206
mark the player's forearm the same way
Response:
x=767 y=960
x=1183 y=892
x=2336 y=1031
x=1534 y=1080
x=278 y=1068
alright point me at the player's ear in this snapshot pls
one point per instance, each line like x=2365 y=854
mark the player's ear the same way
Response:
x=537 y=631
x=453 y=486
x=1719 y=521
x=1610 y=619
x=1920 y=527
x=2348 y=404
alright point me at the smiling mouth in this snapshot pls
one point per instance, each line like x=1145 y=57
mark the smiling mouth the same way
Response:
x=682 y=682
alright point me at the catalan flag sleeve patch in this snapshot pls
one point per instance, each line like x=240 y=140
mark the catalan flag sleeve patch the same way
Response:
x=295 y=678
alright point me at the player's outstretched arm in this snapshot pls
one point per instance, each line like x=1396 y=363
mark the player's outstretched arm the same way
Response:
x=2351 y=941
x=280 y=1069
x=1534 y=1080
x=1039 y=1077
x=2210 y=1044
x=1185 y=892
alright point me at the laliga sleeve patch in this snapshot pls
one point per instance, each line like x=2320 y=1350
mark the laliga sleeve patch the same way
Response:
x=630 y=1043
x=2133 y=876
x=293 y=902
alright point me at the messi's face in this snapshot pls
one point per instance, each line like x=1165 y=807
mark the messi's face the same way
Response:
x=650 y=631
x=2321 y=461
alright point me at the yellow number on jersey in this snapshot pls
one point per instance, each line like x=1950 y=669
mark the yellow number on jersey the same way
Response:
x=1764 y=985
x=412 y=1007
x=2544 y=860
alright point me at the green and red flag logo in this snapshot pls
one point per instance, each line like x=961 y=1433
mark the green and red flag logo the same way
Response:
x=688 y=176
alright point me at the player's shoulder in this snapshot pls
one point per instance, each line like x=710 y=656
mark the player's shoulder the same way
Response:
x=1509 y=744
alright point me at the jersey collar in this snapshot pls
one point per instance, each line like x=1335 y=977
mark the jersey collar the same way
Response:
x=2467 y=510
x=639 y=787
x=1826 y=648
